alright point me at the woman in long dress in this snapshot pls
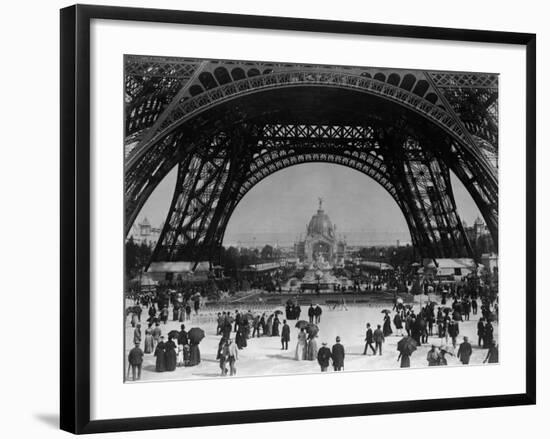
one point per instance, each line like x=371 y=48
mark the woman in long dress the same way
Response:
x=387 y=326
x=269 y=325
x=275 y=330
x=405 y=359
x=398 y=324
x=160 y=365
x=301 y=346
x=312 y=349
x=194 y=354
x=181 y=313
x=175 y=312
x=170 y=355
x=148 y=341
x=240 y=338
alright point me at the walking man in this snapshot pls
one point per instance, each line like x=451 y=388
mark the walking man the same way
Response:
x=369 y=340
x=464 y=351
x=323 y=357
x=453 y=331
x=318 y=312
x=378 y=337
x=285 y=336
x=338 y=355
x=135 y=360
x=480 y=333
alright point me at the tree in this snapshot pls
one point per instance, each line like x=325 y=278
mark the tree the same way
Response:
x=267 y=253
x=211 y=290
x=137 y=257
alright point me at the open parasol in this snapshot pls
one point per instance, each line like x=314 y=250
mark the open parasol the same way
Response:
x=195 y=335
x=278 y=312
x=301 y=324
x=173 y=334
x=407 y=345
x=312 y=330
x=385 y=311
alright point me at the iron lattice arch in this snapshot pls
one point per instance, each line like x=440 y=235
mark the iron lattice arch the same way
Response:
x=228 y=125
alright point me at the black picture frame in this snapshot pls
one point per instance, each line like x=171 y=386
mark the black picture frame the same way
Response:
x=75 y=217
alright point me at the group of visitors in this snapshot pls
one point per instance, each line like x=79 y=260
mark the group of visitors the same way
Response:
x=325 y=355
x=314 y=313
x=246 y=322
x=174 y=352
x=420 y=327
x=228 y=354
x=430 y=321
x=243 y=323
x=306 y=348
x=485 y=332
x=292 y=310
x=377 y=337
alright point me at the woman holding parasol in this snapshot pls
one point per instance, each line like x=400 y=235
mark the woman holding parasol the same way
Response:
x=406 y=346
x=311 y=350
x=195 y=335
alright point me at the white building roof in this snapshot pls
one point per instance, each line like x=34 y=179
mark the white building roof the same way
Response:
x=450 y=263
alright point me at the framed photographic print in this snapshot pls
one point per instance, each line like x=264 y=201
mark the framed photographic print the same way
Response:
x=295 y=213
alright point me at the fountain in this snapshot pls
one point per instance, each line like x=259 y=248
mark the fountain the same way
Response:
x=319 y=276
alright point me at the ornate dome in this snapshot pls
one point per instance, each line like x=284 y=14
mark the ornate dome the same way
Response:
x=320 y=224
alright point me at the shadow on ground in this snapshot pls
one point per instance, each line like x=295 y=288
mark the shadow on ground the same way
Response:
x=49 y=419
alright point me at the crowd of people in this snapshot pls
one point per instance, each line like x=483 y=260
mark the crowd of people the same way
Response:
x=246 y=325
x=174 y=350
x=433 y=320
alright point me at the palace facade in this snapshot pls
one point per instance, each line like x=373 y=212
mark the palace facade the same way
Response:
x=321 y=241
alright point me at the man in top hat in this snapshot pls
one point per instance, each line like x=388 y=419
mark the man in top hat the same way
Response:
x=323 y=357
x=338 y=355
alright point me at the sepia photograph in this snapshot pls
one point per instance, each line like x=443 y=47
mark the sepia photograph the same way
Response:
x=285 y=219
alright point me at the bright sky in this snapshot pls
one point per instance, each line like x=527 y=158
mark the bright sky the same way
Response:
x=278 y=208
